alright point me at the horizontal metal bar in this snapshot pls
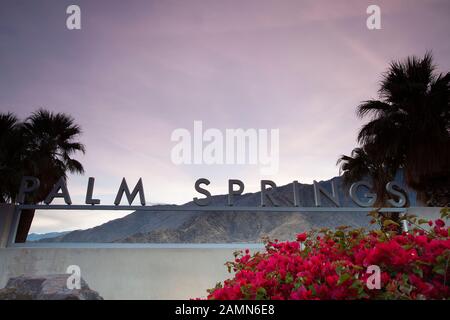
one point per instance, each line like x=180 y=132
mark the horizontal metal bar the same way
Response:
x=115 y=245
x=206 y=208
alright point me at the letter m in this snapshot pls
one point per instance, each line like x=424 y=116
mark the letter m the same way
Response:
x=139 y=188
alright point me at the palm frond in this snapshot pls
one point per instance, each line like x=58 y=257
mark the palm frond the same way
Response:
x=375 y=107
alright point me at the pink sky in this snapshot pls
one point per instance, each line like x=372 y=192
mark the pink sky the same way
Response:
x=140 y=69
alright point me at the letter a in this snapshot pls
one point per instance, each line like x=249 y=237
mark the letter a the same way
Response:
x=74 y=280
x=73 y=21
x=374 y=20
x=374 y=280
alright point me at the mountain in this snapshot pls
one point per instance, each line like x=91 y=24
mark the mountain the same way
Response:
x=225 y=226
x=38 y=236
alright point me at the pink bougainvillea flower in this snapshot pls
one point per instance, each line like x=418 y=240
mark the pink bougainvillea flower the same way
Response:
x=302 y=237
x=334 y=265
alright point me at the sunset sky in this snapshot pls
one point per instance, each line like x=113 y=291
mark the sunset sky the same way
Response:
x=137 y=70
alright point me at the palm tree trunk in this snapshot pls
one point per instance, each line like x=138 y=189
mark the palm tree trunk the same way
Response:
x=26 y=218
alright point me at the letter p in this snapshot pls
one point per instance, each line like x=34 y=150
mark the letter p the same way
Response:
x=27 y=185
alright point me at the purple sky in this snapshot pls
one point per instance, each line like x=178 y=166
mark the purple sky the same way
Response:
x=140 y=69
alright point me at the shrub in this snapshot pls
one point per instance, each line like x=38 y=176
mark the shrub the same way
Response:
x=332 y=264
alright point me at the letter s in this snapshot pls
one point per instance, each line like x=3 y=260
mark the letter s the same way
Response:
x=204 y=201
x=401 y=197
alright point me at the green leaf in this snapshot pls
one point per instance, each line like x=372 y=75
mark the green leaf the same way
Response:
x=379 y=233
x=356 y=285
x=313 y=289
x=439 y=270
x=340 y=234
x=405 y=278
x=389 y=222
x=419 y=272
x=289 y=278
x=339 y=268
x=261 y=293
x=422 y=221
x=364 y=295
x=344 y=277
x=298 y=283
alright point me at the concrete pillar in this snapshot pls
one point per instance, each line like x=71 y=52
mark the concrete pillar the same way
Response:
x=8 y=222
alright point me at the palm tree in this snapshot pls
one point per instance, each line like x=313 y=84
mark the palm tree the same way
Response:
x=364 y=162
x=47 y=142
x=10 y=157
x=409 y=128
x=360 y=164
x=411 y=123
